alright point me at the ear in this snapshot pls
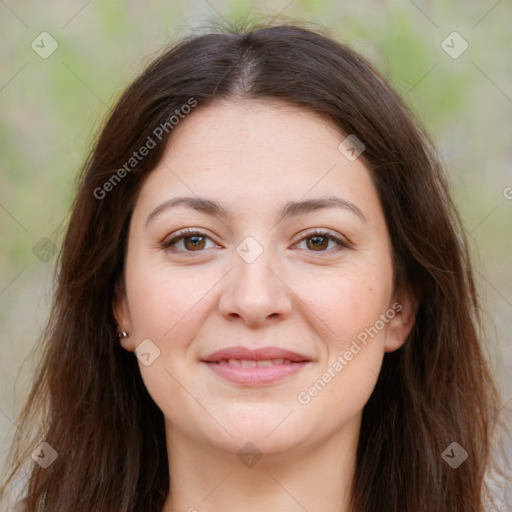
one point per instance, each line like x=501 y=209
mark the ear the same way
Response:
x=122 y=317
x=405 y=306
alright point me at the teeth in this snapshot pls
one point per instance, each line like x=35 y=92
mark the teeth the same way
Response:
x=249 y=363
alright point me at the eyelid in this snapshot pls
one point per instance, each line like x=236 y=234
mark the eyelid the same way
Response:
x=174 y=238
x=341 y=241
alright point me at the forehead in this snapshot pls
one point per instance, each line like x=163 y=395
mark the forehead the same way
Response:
x=253 y=154
x=272 y=129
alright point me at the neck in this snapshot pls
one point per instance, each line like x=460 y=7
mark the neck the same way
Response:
x=316 y=478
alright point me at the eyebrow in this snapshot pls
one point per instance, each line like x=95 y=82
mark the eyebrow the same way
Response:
x=290 y=209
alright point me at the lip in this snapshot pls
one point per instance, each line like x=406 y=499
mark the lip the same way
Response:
x=278 y=365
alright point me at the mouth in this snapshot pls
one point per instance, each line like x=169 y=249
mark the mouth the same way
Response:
x=255 y=367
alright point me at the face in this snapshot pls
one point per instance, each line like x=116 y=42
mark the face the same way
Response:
x=265 y=302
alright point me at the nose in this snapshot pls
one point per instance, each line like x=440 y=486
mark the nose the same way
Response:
x=255 y=293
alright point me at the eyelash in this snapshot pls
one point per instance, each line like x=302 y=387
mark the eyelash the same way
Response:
x=186 y=233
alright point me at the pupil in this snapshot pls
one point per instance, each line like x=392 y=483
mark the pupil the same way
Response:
x=194 y=243
x=317 y=238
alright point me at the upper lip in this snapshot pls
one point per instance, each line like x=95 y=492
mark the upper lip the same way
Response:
x=259 y=354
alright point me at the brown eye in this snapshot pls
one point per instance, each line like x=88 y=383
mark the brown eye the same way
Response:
x=194 y=242
x=317 y=242
x=188 y=241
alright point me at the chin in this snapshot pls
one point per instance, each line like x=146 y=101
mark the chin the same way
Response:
x=270 y=435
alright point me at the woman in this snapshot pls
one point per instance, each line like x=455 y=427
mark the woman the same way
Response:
x=265 y=299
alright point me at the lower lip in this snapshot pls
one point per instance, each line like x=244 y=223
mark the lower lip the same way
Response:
x=257 y=375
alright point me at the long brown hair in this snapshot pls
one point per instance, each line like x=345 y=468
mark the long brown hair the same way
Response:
x=437 y=389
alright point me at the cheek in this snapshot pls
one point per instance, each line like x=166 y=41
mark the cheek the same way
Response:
x=354 y=347
x=166 y=305
x=346 y=301
x=163 y=300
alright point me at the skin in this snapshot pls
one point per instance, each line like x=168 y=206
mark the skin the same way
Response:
x=253 y=157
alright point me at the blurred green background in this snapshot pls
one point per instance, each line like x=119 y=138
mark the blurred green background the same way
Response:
x=52 y=107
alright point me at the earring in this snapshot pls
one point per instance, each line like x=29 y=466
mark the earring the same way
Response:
x=122 y=335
